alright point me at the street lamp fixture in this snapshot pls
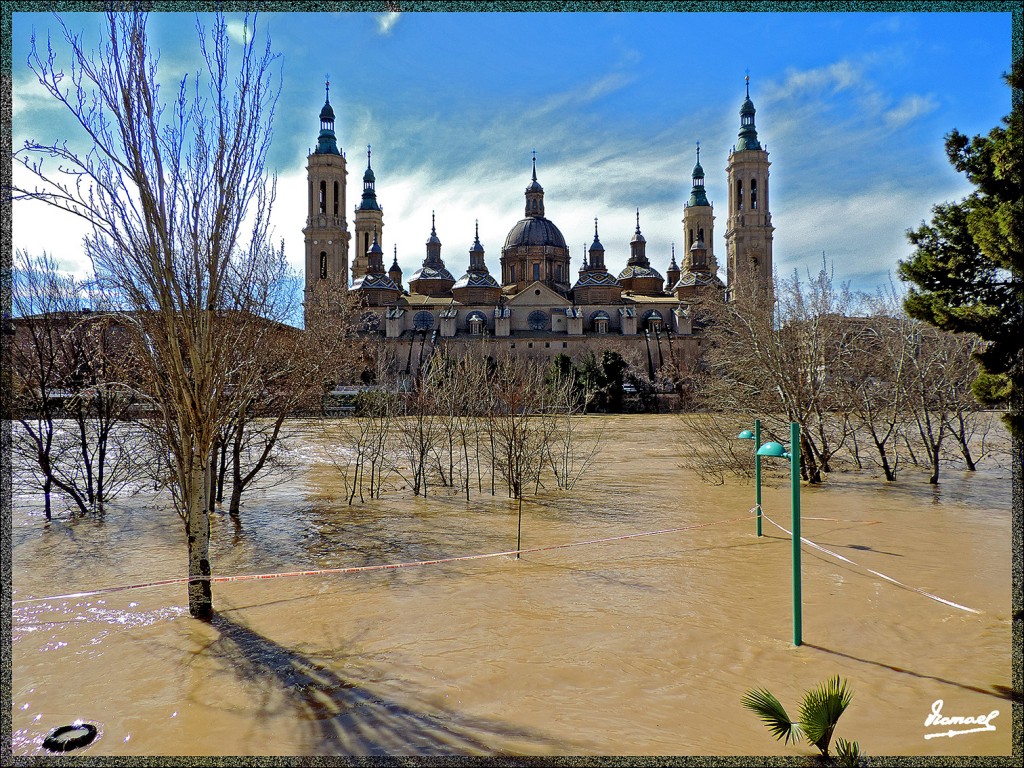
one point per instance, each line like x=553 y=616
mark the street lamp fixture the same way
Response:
x=746 y=434
x=778 y=450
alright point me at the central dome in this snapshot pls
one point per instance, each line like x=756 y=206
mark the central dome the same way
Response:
x=535 y=231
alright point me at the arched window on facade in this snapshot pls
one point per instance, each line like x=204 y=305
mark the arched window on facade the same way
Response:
x=323 y=265
x=511 y=273
x=653 y=320
x=739 y=195
x=690 y=244
x=323 y=197
x=753 y=194
x=366 y=243
x=700 y=234
x=476 y=323
x=536 y=271
x=335 y=198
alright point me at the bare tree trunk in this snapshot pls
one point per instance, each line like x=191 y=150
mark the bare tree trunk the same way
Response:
x=197 y=529
x=236 y=472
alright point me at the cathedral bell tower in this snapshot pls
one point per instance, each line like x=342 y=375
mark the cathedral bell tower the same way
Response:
x=369 y=221
x=748 y=235
x=326 y=231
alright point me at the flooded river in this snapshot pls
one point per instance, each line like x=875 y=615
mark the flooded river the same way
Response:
x=635 y=646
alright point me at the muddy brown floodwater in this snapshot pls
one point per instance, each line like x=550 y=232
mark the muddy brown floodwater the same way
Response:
x=635 y=646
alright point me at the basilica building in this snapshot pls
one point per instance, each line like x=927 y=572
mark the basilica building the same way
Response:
x=533 y=304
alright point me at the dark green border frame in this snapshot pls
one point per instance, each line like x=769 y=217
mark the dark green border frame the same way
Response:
x=7 y=8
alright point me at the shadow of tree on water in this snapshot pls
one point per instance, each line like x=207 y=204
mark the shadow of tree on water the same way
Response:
x=346 y=718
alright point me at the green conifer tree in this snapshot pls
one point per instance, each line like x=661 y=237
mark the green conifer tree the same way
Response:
x=967 y=271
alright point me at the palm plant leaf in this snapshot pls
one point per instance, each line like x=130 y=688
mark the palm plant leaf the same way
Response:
x=821 y=709
x=763 y=704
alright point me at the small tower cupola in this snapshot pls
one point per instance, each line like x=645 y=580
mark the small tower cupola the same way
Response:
x=369 y=201
x=697 y=194
x=433 y=246
x=375 y=258
x=748 y=132
x=638 y=245
x=535 y=194
x=596 y=251
x=673 y=272
x=327 y=142
x=476 y=253
x=477 y=286
x=698 y=261
x=395 y=272
x=432 y=279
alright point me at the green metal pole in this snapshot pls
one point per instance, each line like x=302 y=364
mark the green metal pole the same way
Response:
x=757 y=470
x=794 y=470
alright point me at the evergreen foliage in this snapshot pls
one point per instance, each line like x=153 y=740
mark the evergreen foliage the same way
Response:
x=968 y=267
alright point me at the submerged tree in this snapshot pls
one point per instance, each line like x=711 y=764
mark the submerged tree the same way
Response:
x=178 y=198
x=783 y=365
x=72 y=390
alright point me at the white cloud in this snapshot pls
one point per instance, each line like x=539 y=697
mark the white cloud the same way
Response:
x=880 y=216
x=580 y=97
x=386 y=22
x=241 y=30
x=28 y=96
x=833 y=78
x=908 y=109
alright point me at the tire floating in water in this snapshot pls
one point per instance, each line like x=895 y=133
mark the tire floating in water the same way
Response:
x=69 y=737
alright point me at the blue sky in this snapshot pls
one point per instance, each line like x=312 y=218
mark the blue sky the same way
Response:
x=852 y=107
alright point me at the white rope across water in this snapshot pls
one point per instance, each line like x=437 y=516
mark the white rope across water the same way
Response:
x=879 y=574
x=362 y=568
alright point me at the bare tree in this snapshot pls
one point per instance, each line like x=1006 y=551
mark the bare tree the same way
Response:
x=783 y=363
x=179 y=200
x=71 y=387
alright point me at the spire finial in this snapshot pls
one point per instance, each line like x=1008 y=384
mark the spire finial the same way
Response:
x=433 y=230
x=673 y=251
x=595 y=227
x=748 y=82
x=638 y=221
x=477 y=235
x=535 y=165
x=367 y=155
x=698 y=153
x=327 y=87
